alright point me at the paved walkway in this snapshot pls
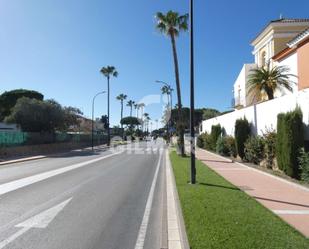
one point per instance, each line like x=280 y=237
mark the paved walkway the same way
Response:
x=288 y=200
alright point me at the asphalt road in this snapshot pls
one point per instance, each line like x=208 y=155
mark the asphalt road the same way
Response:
x=105 y=200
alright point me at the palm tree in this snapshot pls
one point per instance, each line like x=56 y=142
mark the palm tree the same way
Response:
x=130 y=104
x=136 y=108
x=171 y=24
x=121 y=97
x=108 y=72
x=141 y=106
x=146 y=118
x=266 y=80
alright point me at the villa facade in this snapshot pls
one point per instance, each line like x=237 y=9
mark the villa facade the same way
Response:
x=280 y=43
x=283 y=42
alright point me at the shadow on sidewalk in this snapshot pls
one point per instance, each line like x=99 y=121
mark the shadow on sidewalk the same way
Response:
x=284 y=202
x=215 y=161
x=218 y=186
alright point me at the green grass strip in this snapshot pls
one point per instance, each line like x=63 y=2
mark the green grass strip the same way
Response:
x=219 y=215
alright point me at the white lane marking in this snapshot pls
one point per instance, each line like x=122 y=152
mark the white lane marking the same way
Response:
x=299 y=212
x=41 y=220
x=143 y=228
x=17 y=184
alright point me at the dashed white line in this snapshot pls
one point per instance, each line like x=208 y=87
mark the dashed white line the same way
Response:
x=143 y=228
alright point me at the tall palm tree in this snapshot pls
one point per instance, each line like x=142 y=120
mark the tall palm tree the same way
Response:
x=136 y=108
x=171 y=24
x=146 y=119
x=130 y=103
x=108 y=72
x=141 y=106
x=266 y=80
x=121 y=97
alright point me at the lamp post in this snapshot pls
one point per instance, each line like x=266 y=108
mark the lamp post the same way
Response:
x=192 y=132
x=92 y=123
x=170 y=100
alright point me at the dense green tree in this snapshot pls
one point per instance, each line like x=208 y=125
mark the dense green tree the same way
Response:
x=9 y=99
x=130 y=122
x=71 y=117
x=37 y=116
x=185 y=120
x=209 y=113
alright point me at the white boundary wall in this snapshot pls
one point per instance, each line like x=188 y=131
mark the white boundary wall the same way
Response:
x=263 y=116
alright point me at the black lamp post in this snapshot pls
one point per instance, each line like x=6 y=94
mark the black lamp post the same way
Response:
x=92 y=123
x=192 y=132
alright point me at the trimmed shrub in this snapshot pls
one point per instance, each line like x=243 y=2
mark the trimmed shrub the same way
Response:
x=254 y=149
x=207 y=142
x=242 y=133
x=216 y=132
x=204 y=141
x=230 y=143
x=199 y=141
x=270 y=147
x=290 y=139
x=222 y=147
x=304 y=165
x=226 y=146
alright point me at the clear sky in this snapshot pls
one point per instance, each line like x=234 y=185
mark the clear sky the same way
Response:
x=57 y=47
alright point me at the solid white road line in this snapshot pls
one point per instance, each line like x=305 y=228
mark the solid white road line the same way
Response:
x=299 y=212
x=143 y=228
x=17 y=184
x=41 y=220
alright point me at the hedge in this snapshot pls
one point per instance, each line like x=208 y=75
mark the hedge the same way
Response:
x=216 y=132
x=242 y=133
x=290 y=139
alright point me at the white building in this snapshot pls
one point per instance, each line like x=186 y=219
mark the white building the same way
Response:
x=272 y=40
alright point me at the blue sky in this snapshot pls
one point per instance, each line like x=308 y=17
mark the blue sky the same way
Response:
x=57 y=47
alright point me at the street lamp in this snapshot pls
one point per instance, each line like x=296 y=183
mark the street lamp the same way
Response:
x=92 y=127
x=192 y=132
x=170 y=90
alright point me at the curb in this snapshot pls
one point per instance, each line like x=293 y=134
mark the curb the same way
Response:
x=26 y=159
x=177 y=236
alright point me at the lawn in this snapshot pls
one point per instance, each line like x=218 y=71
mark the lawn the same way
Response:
x=218 y=215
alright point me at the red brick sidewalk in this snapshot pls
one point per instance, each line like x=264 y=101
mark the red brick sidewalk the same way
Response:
x=288 y=200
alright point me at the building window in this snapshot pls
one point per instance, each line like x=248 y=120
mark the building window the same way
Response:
x=263 y=59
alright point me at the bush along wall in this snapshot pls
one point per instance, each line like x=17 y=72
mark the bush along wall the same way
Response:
x=290 y=139
x=216 y=132
x=242 y=133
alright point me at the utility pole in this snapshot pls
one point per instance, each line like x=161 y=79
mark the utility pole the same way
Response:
x=192 y=132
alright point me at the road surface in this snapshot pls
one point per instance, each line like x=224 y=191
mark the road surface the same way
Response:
x=103 y=200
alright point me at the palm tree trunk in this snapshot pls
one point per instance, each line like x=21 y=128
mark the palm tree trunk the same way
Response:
x=121 y=112
x=270 y=94
x=130 y=111
x=180 y=126
x=108 y=129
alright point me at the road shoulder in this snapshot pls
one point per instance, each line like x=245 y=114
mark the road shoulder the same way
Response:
x=177 y=236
